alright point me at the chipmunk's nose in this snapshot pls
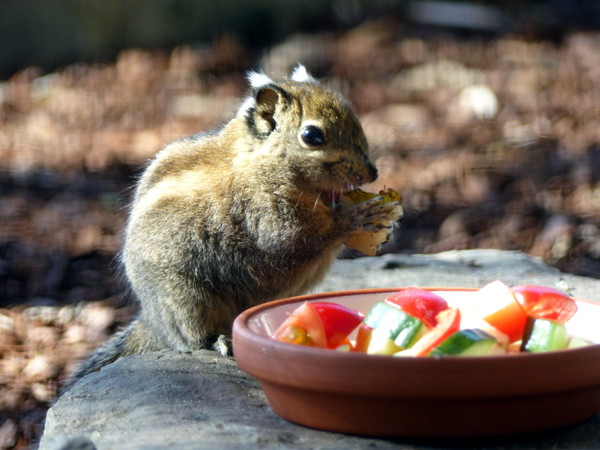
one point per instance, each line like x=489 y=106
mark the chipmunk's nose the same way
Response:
x=366 y=176
x=372 y=172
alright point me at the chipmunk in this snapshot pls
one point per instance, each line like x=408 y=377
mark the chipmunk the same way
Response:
x=248 y=213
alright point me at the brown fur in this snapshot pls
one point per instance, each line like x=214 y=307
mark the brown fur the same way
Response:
x=231 y=219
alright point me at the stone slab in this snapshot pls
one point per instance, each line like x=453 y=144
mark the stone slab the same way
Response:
x=464 y=268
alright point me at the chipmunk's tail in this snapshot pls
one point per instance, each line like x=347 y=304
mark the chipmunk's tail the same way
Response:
x=124 y=343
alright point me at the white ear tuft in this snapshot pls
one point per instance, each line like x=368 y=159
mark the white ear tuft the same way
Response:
x=301 y=75
x=258 y=79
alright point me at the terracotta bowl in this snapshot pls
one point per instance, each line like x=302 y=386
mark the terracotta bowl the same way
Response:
x=418 y=397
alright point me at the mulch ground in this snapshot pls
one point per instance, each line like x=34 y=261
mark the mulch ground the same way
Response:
x=519 y=169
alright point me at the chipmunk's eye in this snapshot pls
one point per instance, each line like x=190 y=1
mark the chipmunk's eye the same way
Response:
x=312 y=136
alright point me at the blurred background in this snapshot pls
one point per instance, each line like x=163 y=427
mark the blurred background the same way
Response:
x=483 y=115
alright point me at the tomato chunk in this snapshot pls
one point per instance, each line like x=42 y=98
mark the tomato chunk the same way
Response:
x=424 y=305
x=448 y=322
x=338 y=321
x=542 y=302
x=303 y=327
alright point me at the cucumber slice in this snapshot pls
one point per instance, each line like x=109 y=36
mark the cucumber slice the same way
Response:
x=546 y=336
x=381 y=344
x=576 y=342
x=422 y=331
x=394 y=324
x=473 y=342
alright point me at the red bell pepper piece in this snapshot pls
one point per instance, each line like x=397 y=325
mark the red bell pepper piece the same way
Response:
x=448 y=322
x=424 y=305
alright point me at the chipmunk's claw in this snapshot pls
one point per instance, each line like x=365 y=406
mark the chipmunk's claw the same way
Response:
x=223 y=345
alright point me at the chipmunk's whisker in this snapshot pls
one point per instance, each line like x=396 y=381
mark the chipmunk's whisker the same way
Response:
x=317 y=200
x=299 y=198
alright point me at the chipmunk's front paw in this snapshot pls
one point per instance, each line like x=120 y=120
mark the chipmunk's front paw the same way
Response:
x=223 y=345
x=376 y=217
x=371 y=220
x=372 y=216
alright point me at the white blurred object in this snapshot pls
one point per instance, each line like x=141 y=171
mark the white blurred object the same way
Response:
x=433 y=75
x=480 y=100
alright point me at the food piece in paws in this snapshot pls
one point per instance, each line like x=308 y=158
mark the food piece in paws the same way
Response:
x=368 y=242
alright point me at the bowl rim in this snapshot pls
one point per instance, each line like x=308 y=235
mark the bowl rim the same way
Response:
x=464 y=375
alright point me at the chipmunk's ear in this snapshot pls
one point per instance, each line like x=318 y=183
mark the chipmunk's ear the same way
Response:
x=301 y=75
x=262 y=117
x=258 y=80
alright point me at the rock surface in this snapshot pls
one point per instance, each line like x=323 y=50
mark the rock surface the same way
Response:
x=200 y=401
x=464 y=268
